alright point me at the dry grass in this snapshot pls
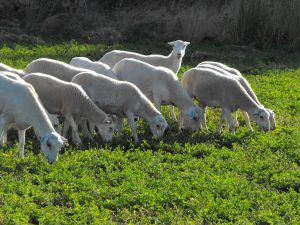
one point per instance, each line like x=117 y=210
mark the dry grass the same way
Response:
x=262 y=22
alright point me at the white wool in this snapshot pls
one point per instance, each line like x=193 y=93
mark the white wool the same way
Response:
x=122 y=99
x=212 y=88
x=228 y=71
x=98 y=67
x=4 y=67
x=58 y=69
x=21 y=108
x=172 y=61
x=161 y=86
x=71 y=101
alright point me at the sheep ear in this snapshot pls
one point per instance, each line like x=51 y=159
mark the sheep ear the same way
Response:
x=187 y=43
x=171 y=43
x=49 y=144
x=255 y=113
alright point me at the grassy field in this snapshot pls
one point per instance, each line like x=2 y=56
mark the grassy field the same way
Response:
x=184 y=178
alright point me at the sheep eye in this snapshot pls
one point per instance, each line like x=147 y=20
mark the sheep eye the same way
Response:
x=110 y=129
x=261 y=117
x=48 y=145
x=157 y=126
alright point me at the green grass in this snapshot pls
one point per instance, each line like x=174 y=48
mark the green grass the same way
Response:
x=184 y=178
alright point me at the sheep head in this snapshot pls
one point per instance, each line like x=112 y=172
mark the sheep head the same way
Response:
x=179 y=48
x=106 y=129
x=51 y=144
x=190 y=118
x=262 y=117
x=158 y=125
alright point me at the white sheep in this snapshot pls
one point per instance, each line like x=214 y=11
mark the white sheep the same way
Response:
x=172 y=61
x=215 y=89
x=4 y=67
x=161 y=86
x=20 y=108
x=71 y=101
x=98 y=67
x=226 y=70
x=61 y=70
x=21 y=133
x=122 y=99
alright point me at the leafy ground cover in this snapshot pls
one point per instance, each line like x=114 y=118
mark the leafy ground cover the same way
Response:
x=184 y=178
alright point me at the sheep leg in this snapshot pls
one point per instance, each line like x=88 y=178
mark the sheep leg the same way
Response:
x=2 y=126
x=203 y=119
x=91 y=127
x=173 y=113
x=220 y=123
x=85 y=130
x=21 y=135
x=236 y=122
x=247 y=119
x=4 y=137
x=74 y=127
x=130 y=117
x=180 y=119
x=119 y=126
x=157 y=104
x=230 y=120
x=66 y=128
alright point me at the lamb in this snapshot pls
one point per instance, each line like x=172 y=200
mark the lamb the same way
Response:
x=121 y=98
x=4 y=67
x=212 y=88
x=98 y=67
x=222 y=68
x=20 y=108
x=172 y=61
x=72 y=102
x=160 y=85
x=21 y=133
x=58 y=69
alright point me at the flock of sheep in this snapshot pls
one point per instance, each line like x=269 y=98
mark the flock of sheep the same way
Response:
x=121 y=84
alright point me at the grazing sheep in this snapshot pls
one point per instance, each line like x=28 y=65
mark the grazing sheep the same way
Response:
x=172 y=61
x=212 y=88
x=21 y=133
x=122 y=99
x=222 y=68
x=72 y=102
x=4 y=67
x=161 y=86
x=58 y=69
x=98 y=67
x=20 y=108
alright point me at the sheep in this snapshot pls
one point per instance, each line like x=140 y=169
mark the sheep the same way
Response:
x=212 y=88
x=234 y=72
x=172 y=61
x=98 y=67
x=72 y=102
x=58 y=69
x=21 y=133
x=121 y=98
x=20 y=108
x=4 y=67
x=53 y=117
x=160 y=85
